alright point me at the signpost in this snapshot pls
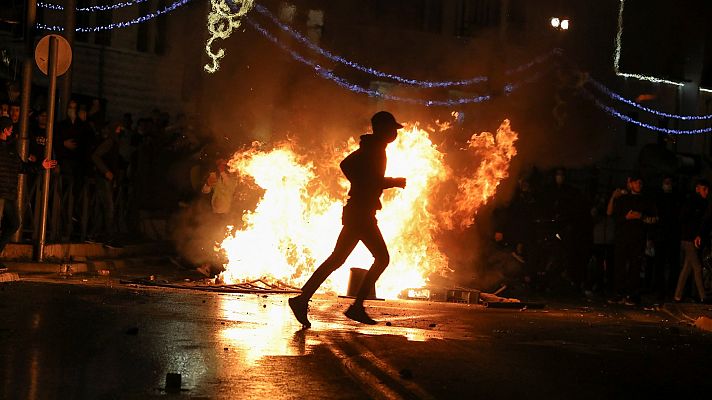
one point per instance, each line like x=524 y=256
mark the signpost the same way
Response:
x=53 y=56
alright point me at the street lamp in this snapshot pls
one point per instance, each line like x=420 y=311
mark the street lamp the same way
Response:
x=559 y=23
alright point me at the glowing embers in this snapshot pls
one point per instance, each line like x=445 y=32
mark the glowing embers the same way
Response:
x=295 y=224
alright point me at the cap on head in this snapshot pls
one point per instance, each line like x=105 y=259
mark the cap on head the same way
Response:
x=384 y=120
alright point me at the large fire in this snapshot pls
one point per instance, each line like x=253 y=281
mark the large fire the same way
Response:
x=295 y=224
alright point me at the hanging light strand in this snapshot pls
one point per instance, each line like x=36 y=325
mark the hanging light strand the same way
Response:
x=608 y=92
x=615 y=113
x=95 y=8
x=372 y=71
x=123 y=24
x=328 y=74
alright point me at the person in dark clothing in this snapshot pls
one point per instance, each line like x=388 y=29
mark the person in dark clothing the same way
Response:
x=694 y=225
x=365 y=169
x=110 y=168
x=666 y=237
x=10 y=166
x=71 y=144
x=632 y=212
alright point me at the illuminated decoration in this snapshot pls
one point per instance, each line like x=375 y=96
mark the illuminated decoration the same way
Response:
x=328 y=74
x=123 y=24
x=618 y=97
x=555 y=22
x=222 y=20
x=413 y=82
x=617 y=56
x=107 y=7
x=325 y=73
x=565 y=24
x=612 y=111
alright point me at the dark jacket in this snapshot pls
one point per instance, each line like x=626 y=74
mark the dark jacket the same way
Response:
x=693 y=215
x=365 y=169
x=632 y=229
x=106 y=157
x=10 y=166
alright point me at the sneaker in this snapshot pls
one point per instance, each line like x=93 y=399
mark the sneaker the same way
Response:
x=299 y=308
x=358 y=313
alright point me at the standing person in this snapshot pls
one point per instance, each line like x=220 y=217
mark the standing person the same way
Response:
x=694 y=218
x=365 y=169
x=108 y=163
x=632 y=212
x=72 y=141
x=10 y=166
x=667 y=238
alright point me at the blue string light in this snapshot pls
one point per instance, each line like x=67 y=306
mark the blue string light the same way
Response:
x=123 y=24
x=413 y=82
x=107 y=7
x=612 y=111
x=326 y=73
x=618 y=97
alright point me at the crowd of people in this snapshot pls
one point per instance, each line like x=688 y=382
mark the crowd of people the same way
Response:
x=107 y=171
x=636 y=243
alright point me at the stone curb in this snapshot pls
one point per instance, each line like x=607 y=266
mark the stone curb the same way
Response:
x=9 y=277
x=83 y=265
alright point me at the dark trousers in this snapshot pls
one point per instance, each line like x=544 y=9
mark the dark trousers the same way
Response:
x=628 y=258
x=355 y=229
x=9 y=222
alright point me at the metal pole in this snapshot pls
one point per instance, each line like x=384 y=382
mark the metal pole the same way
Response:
x=51 y=93
x=22 y=136
x=70 y=23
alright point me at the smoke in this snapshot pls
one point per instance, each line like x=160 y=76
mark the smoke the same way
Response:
x=262 y=94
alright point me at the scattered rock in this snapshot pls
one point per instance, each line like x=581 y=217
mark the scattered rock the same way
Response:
x=225 y=348
x=388 y=323
x=264 y=305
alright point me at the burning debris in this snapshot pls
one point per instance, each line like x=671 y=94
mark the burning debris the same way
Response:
x=285 y=236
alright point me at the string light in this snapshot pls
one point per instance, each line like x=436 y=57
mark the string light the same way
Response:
x=618 y=97
x=617 y=56
x=413 y=82
x=612 y=111
x=222 y=20
x=123 y=24
x=107 y=7
x=328 y=74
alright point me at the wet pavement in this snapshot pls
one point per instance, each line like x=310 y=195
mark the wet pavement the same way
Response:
x=95 y=338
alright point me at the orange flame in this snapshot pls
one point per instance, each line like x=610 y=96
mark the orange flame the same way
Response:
x=295 y=224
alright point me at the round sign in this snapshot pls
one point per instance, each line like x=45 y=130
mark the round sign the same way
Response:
x=64 y=54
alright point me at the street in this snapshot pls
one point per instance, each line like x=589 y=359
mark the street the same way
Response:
x=99 y=339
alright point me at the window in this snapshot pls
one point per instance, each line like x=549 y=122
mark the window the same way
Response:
x=474 y=15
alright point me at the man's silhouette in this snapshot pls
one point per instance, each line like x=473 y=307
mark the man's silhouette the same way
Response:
x=365 y=169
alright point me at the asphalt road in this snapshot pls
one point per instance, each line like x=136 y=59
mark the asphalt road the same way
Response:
x=103 y=340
